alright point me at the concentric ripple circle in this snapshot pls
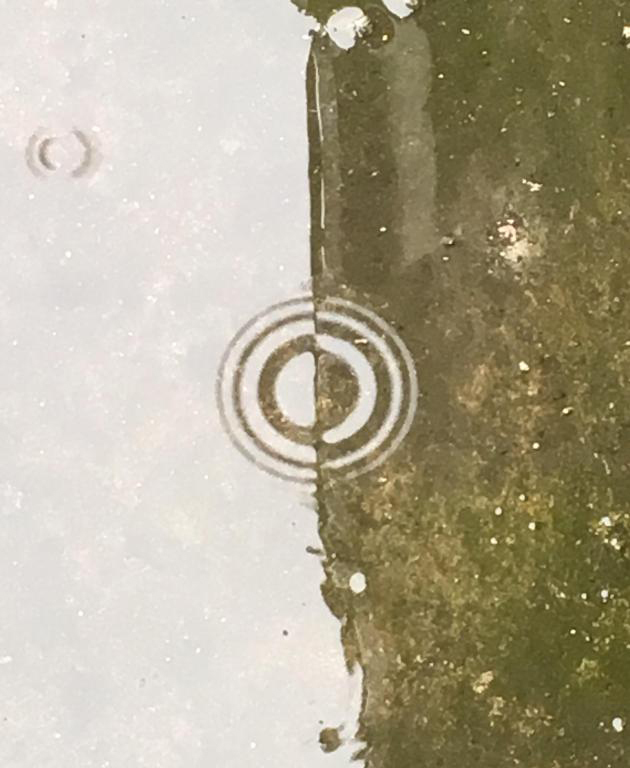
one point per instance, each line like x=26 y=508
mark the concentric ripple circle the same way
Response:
x=365 y=389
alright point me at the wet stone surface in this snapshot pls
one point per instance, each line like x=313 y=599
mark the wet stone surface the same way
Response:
x=493 y=630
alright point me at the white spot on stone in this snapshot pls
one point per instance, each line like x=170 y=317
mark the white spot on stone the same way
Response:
x=358 y=583
x=516 y=247
x=400 y=8
x=534 y=186
x=344 y=27
x=483 y=681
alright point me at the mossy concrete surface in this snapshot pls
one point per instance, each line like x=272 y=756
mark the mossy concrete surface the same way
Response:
x=474 y=161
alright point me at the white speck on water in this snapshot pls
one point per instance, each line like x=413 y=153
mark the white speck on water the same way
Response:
x=465 y=31
x=532 y=526
x=573 y=631
x=618 y=724
x=567 y=411
x=615 y=543
x=625 y=33
x=494 y=541
x=605 y=594
x=498 y=511
x=584 y=596
x=358 y=583
x=522 y=497
x=523 y=367
x=606 y=521
x=536 y=446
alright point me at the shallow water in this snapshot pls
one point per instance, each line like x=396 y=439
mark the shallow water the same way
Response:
x=315 y=352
